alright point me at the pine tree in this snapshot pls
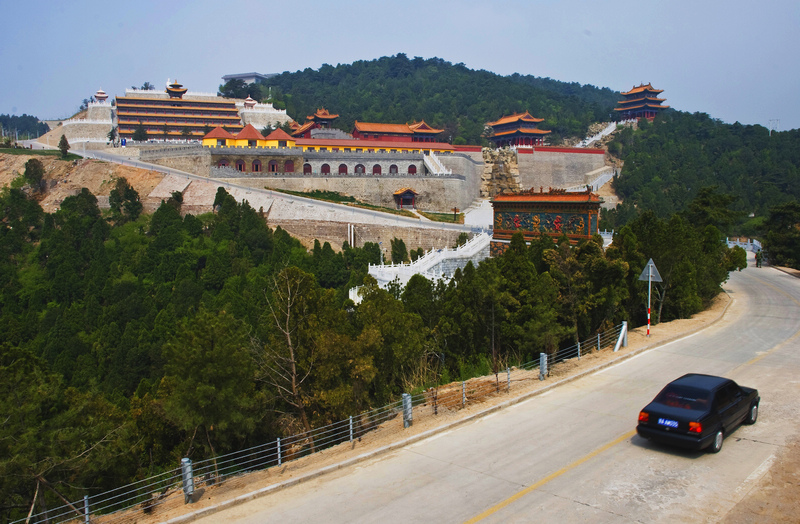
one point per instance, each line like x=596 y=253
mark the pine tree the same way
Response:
x=63 y=145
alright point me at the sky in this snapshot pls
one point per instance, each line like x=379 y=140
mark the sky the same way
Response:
x=735 y=60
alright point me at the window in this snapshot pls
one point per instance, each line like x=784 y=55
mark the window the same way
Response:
x=393 y=169
x=376 y=169
x=251 y=143
x=273 y=166
x=325 y=169
x=256 y=166
x=288 y=167
x=342 y=169
x=281 y=143
x=306 y=169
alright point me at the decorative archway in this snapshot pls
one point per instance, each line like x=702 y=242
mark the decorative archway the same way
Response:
x=325 y=169
x=307 y=169
x=376 y=169
x=288 y=166
x=342 y=169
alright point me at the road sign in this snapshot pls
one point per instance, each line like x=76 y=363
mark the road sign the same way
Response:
x=650 y=272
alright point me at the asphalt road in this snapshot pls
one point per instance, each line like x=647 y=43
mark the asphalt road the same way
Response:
x=571 y=455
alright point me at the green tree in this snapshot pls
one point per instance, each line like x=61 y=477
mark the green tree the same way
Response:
x=140 y=133
x=112 y=135
x=63 y=146
x=34 y=173
x=399 y=251
x=209 y=381
x=782 y=234
x=124 y=201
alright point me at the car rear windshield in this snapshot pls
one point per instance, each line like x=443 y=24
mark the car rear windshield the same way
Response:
x=684 y=397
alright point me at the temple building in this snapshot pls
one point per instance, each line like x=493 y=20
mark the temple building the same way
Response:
x=168 y=115
x=517 y=130
x=416 y=132
x=641 y=102
x=321 y=119
x=554 y=213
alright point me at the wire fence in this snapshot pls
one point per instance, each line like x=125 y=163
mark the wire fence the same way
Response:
x=175 y=487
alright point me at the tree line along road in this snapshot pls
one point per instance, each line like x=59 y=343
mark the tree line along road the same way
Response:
x=571 y=455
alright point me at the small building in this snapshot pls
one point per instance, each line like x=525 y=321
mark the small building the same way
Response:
x=405 y=197
x=641 y=102
x=517 y=130
x=247 y=78
x=321 y=119
x=554 y=213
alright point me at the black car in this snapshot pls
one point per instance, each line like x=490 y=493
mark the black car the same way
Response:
x=697 y=411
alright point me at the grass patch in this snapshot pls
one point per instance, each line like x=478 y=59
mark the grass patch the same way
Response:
x=443 y=217
x=338 y=198
x=38 y=152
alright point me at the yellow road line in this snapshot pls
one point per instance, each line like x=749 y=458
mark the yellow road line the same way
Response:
x=550 y=477
x=532 y=487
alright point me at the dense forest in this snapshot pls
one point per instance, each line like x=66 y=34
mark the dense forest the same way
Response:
x=681 y=157
x=453 y=97
x=132 y=340
x=24 y=126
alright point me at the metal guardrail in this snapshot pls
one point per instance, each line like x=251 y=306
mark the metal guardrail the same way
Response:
x=176 y=487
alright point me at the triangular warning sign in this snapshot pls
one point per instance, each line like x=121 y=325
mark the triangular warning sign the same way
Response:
x=650 y=272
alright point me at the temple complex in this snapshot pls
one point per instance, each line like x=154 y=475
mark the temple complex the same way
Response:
x=517 y=130
x=641 y=102
x=553 y=213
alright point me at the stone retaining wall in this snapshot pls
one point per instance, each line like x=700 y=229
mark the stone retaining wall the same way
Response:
x=336 y=234
x=556 y=169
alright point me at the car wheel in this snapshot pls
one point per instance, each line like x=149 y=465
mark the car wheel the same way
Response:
x=716 y=445
x=752 y=416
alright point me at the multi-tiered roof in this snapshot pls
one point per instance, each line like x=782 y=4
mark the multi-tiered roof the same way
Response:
x=519 y=130
x=641 y=102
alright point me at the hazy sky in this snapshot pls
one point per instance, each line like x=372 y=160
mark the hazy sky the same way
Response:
x=735 y=60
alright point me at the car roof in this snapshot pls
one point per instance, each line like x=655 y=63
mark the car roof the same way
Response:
x=696 y=380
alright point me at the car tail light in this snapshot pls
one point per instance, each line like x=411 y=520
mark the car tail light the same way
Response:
x=695 y=427
x=644 y=417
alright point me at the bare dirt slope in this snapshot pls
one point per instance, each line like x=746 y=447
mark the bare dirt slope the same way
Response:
x=66 y=178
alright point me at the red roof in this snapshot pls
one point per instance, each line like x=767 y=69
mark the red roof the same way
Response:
x=422 y=127
x=279 y=134
x=631 y=108
x=551 y=196
x=371 y=144
x=643 y=87
x=249 y=133
x=523 y=131
x=218 y=132
x=371 y=127
x=322 y=114
x=516 y=117
x=305 y=127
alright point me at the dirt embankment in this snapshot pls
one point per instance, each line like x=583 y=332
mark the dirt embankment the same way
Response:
x=66 y=178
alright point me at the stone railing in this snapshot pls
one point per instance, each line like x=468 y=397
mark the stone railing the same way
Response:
x=605 y=174
x=84 y=121
x=435 y=166
x=436 y=264
x=228 y=172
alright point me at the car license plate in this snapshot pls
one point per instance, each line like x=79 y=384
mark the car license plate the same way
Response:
x=667 y=422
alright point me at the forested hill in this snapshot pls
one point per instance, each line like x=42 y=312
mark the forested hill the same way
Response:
x=670 y=161
x=397 y=89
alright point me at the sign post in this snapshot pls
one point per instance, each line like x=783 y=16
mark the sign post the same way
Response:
x=650 y=274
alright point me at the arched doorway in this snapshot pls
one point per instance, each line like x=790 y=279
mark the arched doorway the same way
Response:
x=273 y=166
x=240 y=165
x=256 y=166
x=376 y=169
x=325 y=169
x=360 y=169
x=288 y=166
x=223 y=163
x=412 y=169
x=306 y=169
x=342 y=169
x=393 y=169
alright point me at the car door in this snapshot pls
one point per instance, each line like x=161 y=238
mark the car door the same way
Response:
x=726 y=405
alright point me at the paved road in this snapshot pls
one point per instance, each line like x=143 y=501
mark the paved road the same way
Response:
x=571 y=455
